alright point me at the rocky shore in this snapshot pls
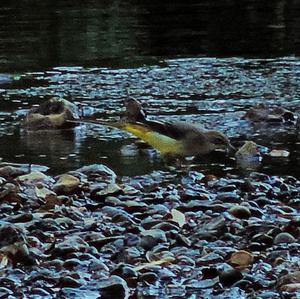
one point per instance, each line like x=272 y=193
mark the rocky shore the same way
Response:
x=89 y=233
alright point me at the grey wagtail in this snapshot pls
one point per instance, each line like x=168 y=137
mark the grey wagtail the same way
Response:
x=174 y=138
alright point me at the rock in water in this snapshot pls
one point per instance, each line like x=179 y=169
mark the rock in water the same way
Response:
x=263 y=113
x=52 y=114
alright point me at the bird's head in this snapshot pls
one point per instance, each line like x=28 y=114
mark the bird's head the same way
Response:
x=218 y=140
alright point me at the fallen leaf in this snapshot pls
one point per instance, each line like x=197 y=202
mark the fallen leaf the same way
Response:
x=279 y=153
x=178 y=217
x=241 y=258
x=3 y=261
x=167 y=260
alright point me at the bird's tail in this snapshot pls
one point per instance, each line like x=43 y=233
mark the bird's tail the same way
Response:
x=138 y=129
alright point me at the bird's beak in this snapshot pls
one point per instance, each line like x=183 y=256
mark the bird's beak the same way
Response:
x=231 y=150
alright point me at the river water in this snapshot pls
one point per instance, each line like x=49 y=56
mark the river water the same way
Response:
x=198 y=61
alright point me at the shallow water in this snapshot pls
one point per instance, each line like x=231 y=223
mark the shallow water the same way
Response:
x=214 y=92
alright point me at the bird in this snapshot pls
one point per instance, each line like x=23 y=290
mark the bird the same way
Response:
x=170 y=138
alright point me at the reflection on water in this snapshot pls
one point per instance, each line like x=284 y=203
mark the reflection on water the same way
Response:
x=66 y=150
x=43 y=34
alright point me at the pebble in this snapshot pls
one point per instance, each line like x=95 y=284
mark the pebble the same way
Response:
x=284 y=238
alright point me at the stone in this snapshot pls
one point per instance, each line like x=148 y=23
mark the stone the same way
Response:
x=50 y=115
x=66 y=184
x=240 y=212
x=284 y=238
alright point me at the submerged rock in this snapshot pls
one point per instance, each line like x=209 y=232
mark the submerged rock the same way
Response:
x=263 y=113
x=52 y=114
x=248 y=156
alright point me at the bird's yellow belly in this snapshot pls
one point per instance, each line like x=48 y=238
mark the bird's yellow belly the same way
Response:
x=164 y=144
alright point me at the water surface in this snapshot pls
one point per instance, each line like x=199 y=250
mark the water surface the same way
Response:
x=213 y=92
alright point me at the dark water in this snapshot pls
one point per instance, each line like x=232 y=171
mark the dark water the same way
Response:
x=42 y=34
x=201 y=61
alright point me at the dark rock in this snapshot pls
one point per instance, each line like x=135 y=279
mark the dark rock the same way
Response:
x=21 y=218
x=228 y=197
x=240 y=212
x=152 y=237
x=11 y=172
x=228 y=278
x=69 y=282
x=149 y=277
x=113 y=287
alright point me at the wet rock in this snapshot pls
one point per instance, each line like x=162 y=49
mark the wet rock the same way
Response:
x=291 y=287
x=9 y=172
x=52 y=114
x=69 y=282
x=211 y=258
x=20 y=218
x=98 y=171
x=5 y=292
x=113 y=287
x=43 y=192
x=249 y=151
x=228 y=197
x=228 y=278
x=240 y=212
x=284 y=238
x=152 y=237
x=13 y=243
x=127 y=272
x=262 y=113
x=10 y=192
x=100 y=242
x=34 y=177
x=149 y=277
x=110 y=190
x=69 y=245
x=66 y=184
x=289 y=282
x=39 y=292
x=203 y=284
